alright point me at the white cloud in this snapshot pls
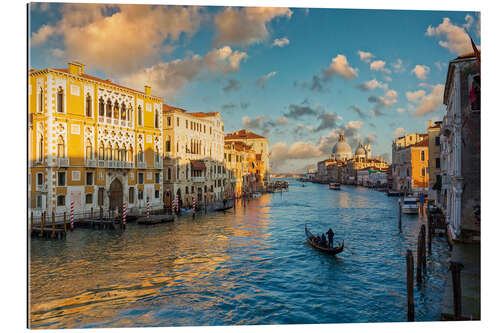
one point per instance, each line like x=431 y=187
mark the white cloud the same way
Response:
x=426 y=103
x=415 y=96
x=340 y=66
x=379 y=65
x=398 y=66
x=399 y=132
x=280 y=42
x=262 y=81
x=454 y=38
x=365 y=56
x=247 y=25
x=123 y=41
x=371 y=85
x=421 y=71
x=391 y=94
x=281 y=153
x=168 y=78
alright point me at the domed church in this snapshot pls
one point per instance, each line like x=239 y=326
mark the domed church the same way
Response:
x=341 y=151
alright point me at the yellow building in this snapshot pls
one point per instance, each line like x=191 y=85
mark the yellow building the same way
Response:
x=403 y=157
x=91 y=142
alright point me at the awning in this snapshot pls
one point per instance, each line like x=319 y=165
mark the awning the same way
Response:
x=198 y=165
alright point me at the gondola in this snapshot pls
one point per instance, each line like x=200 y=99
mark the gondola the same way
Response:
x=329 y=250
x=221 y=209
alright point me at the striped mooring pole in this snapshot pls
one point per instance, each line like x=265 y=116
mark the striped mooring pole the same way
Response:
x=194 y=205
x=147 y=209
x=124 y=213
x=173 y=206
x=72 y=215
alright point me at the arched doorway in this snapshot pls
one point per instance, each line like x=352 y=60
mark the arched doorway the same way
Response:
x=115 y=194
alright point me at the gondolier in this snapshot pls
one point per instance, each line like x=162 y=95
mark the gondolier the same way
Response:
x=329 y=250
x=330 y=235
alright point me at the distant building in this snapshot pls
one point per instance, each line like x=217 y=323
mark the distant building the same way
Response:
x=409 y=163
x=433 y=131
x=460 y=193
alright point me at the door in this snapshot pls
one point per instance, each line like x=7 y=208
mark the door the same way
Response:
x=116 y=194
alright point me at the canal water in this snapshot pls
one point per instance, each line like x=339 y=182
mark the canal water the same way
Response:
x=247 y=266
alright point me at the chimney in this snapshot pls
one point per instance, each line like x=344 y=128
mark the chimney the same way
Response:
x=76 y=68
x=429 y=123
x=147 y=90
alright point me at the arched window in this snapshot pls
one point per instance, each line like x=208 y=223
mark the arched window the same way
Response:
x=422 y=155
x=88 y=150
x=157 y=155
x=124 y=112
x=60 y=147
x=116 y=110
x=40 y=148
x=423 y=171
x=129 y=112
x=169 y=173
x=101 y=107
x=60 y=100
x=40 y=100
x=130 y=154
x=167 y=144
x=108 y=151
x=157 y=120
x=101 y=151
x=123 y=154
x=115 y=152
x=140 y=154
x=89 y=106
x=139 y=115
x=108 y=109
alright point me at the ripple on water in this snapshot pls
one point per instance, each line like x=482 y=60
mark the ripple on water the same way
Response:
x=248 y=266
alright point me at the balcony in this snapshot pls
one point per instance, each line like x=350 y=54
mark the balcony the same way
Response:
x=158 y=165
x=110 y=164
x=128 y=165
x=41 y=188
x=198 y=179
x=141 y=165
x=63 y=162
x=101 y=164
x=90 y=163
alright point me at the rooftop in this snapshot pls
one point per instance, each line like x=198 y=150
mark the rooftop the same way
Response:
x=243 y=134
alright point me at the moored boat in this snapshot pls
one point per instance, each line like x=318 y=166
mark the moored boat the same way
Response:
x=410 y=205
x=328 y=250
x=334 y=186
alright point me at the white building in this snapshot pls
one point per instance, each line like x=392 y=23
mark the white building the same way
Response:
x=194 y=156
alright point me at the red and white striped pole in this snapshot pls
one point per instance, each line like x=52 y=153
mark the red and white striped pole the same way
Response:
x=194 y=203
x=173 y=206
x=124 y=213
x=72 y=214
x=147 y=209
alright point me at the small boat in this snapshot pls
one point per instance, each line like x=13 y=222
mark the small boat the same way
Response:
x=329 y=250
x=223 y=208
x=334 y=186
x=410 y=205
x=256 y=195
x=393 y=194
x=155 y=219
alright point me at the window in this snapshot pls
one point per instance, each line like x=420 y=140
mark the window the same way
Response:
x=116 y=110
x=141 y=178
x=423 y=171
x=167 y=145
x=437 y=140
x=100 y=196
x=88 y=198
x=157 y=177
x=124 y=112
x=131 y=195
x=187 y=190
x=60 y=100
x=139 y=115
x=108 y=151
x=101 y=151
x=40 y=148
x=61 y=178
x=140 y=155
x=157 y=120
x=88 y=150
x=38 y=201
x=438 y=163
x=60 y=147
x=61 y=200
x=422 y=155
x=140 y=195
x=108 y=109
x=178 y=122
x=40 y=106
x=101 y=107
x=157 y=194
x=90 y=178
x=88 y=106
x=187 y=124
x=39 y=178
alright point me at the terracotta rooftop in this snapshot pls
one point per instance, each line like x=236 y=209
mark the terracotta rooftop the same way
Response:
x=423 y=143
x=243 y=134
x=167 y=108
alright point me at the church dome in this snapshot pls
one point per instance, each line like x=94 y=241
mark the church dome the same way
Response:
x=360 y=151
x=341 y=150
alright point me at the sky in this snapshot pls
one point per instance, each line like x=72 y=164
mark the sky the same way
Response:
x=295 y=75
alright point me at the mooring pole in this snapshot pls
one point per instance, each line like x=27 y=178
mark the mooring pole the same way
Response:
x=400 y=214
x=419 y=257
x=455 y=268
x=31 y=223
x=424 y=252
x=43 y=224
x=409 y=285
x=64 y=222
x=53 y=225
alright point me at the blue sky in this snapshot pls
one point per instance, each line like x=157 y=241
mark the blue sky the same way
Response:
x=297 y=76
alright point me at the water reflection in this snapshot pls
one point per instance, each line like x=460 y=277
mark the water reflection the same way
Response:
x=246 y=266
